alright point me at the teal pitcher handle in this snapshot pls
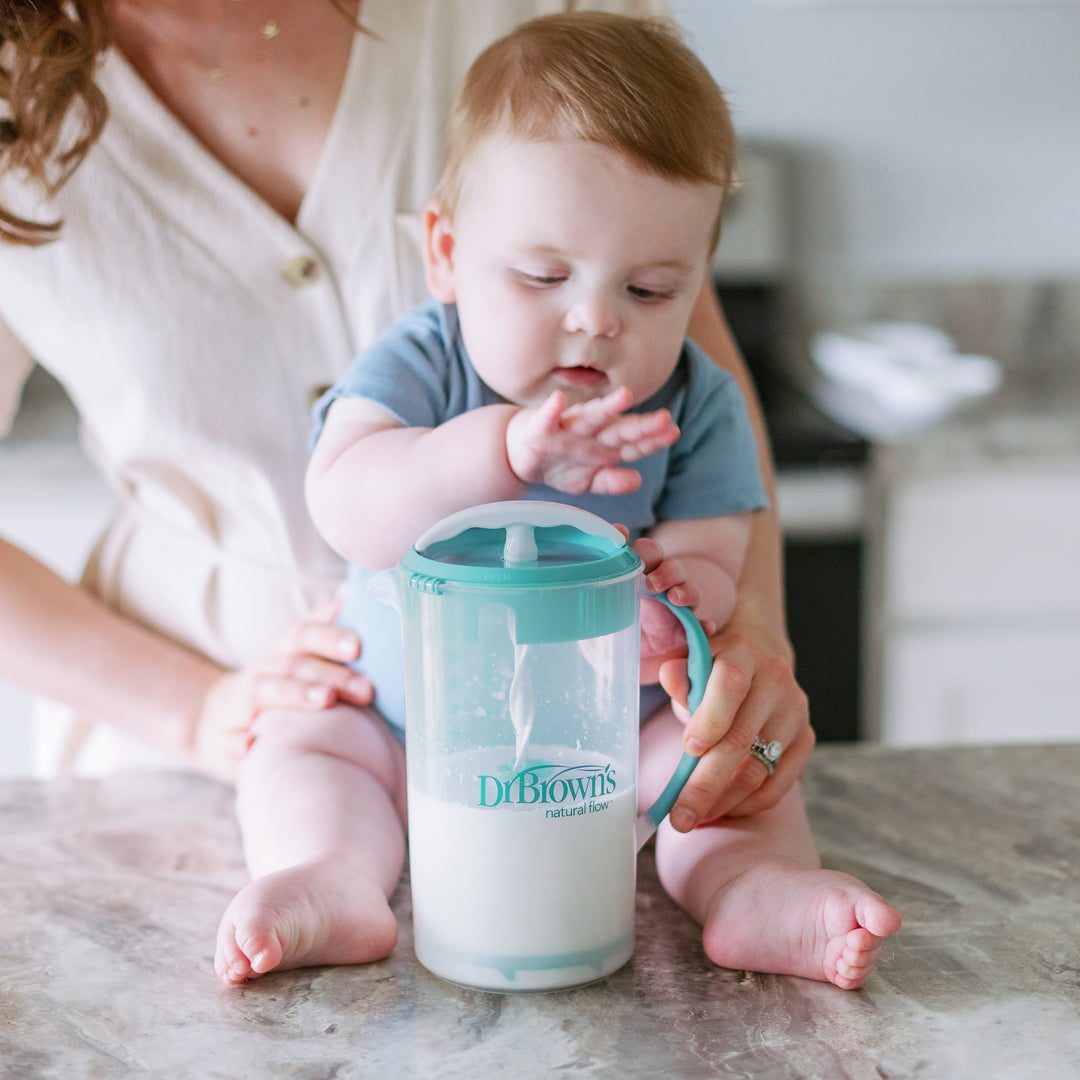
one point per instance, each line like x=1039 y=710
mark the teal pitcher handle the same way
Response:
x=699 y=665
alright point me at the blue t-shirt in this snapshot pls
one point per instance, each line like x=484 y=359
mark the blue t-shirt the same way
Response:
x=420 y=372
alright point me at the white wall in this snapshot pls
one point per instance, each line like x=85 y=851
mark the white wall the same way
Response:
x=53 y=503
x=931 y=141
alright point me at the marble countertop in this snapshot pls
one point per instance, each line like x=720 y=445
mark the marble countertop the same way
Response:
x=111 y=891
x=1032 y=419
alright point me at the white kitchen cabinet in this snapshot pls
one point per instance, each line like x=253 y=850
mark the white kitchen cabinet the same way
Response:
x=962 y=684
x=975 y=610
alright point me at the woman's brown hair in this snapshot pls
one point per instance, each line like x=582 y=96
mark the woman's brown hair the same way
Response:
x=48 y=59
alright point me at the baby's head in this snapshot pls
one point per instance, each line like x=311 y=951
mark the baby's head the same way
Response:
x=588 y=161
x=629 y=85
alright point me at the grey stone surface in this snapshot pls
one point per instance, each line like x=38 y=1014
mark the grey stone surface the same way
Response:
x=110 y=893
x=1029 y=421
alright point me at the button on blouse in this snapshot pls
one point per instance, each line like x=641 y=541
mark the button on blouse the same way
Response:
x=301 y=270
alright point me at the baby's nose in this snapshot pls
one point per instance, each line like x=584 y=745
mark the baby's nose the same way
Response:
x=594 y=315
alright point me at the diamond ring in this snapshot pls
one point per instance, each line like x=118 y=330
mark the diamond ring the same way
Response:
x=768 y=753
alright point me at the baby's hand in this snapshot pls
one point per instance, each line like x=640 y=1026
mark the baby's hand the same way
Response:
x=580 y=448
x=661 y=632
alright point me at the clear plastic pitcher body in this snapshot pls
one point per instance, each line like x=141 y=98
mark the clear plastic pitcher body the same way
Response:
x=521 y=633
x=522 y=761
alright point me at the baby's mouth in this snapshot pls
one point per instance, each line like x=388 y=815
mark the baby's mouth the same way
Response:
x=580 y=376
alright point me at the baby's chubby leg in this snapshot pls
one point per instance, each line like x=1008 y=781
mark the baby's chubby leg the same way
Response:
x=321 y=806
x=757 y=887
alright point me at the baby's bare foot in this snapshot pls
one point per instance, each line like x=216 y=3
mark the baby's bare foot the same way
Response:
x=322 y=912
x=789 y=921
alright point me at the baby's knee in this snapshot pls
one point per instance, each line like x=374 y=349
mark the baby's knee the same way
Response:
x=297 y=731
x=343 y=731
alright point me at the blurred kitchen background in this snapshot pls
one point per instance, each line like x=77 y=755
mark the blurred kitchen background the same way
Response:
x=902 y=270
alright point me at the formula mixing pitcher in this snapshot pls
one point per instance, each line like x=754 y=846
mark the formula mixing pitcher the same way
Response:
x=521 y=634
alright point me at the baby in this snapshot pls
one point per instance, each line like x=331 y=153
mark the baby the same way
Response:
x=566 y=245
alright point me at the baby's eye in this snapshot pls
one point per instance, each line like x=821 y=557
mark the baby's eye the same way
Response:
x=539 y=278
x=644 y=292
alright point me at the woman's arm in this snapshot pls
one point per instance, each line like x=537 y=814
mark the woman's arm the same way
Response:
x=752 y=692
x=762 y=581
x=59 y=640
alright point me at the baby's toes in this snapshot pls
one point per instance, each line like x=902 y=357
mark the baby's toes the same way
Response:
x=263 y=947
x=230 y=964
x=860 y=943
x=878 y=917
x=848 y=977
x=856 y=961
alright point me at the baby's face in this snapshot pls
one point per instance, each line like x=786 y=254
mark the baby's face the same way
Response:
x=574 y=270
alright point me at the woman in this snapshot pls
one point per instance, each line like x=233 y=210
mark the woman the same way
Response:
x=208 y=257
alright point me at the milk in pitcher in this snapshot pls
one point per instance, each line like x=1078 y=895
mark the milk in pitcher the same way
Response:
x=525 y=878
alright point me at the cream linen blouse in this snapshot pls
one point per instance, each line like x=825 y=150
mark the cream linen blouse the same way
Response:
x=192 y=325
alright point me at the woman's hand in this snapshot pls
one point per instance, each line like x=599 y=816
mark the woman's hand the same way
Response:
x=751 y=694
x=305 y=669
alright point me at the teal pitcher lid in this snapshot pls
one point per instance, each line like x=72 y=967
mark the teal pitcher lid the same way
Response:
x=563 y=570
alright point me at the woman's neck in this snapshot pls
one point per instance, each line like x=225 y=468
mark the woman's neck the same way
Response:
x=256 y=81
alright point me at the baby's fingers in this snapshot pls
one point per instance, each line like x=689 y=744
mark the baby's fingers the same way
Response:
x=548 y=415
x=615 y=481
x=668 y=574
x=638 y=435
x=589 y=417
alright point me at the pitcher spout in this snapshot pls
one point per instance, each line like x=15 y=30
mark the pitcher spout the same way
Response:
x=385 y=586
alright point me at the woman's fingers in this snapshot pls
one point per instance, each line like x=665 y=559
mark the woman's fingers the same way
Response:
x=729 y=686
x=767 y=793
x=309 y=683
x=307 y=667
x=305 y=679
x=316 y=638
x=730 y=782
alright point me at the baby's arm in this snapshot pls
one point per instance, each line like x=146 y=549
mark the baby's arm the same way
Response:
x=697 y=563
x=712 y=551
x=374 y=485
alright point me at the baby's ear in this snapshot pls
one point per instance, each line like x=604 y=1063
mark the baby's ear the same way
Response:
x=439 y=253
